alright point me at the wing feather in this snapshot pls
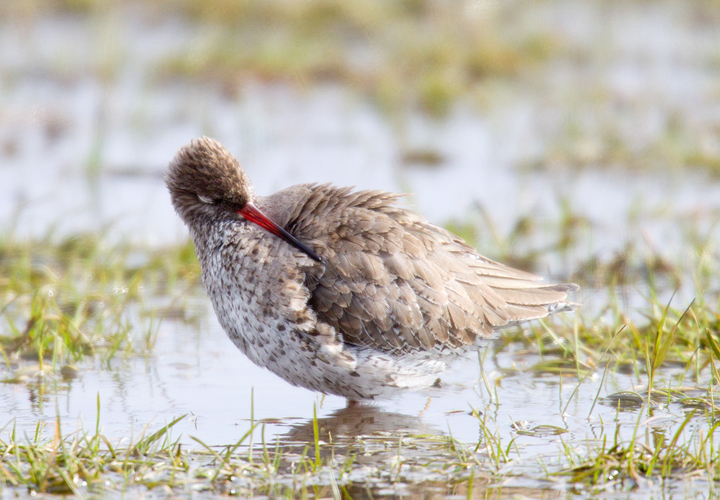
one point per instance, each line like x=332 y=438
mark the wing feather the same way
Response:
x=395 y=282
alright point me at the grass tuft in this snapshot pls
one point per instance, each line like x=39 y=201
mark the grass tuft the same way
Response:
x=64 y=300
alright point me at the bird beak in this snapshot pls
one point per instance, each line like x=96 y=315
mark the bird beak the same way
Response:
x=251 y=213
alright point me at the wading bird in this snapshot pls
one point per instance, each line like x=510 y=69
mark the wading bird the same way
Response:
x=341 y=291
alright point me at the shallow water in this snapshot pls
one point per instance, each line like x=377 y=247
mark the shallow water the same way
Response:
x=201 y=374
x=80 y=151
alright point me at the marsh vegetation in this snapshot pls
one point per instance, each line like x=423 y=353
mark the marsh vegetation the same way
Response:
x=579 y=142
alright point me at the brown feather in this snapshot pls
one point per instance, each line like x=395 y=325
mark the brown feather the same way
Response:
x=392 y=281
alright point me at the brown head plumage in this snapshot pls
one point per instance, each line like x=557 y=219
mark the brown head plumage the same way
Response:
x=207 y=184
x=205 y=180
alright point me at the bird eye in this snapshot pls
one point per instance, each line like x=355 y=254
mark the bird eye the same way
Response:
x=205 y=199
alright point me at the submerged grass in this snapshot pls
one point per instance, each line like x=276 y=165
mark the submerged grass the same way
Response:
x=675 y=317
x=63 y=300
x=668 y=343
x=684 y=454
x=84 y=463
x=618 y=462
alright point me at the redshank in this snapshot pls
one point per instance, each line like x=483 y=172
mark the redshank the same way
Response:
x=340 y=291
